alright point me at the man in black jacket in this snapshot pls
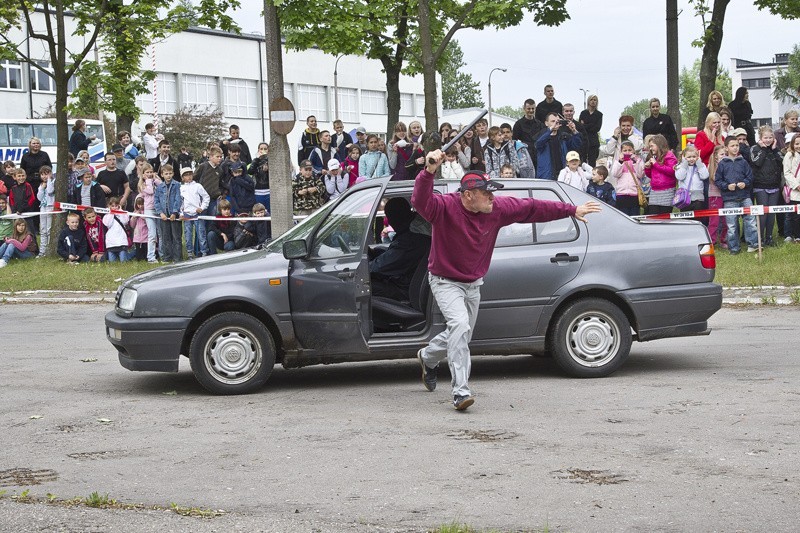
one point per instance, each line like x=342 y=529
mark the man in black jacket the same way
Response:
x=548 y=105
x=527 y=128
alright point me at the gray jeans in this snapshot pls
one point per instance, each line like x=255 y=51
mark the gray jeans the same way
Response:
x=459 y=304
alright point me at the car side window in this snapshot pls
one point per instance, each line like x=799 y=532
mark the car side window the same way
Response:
x=561 y=230
x=344 y=230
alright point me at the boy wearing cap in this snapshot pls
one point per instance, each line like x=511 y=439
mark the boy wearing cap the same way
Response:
x=307 y=190
x=465 y=227
x=361 y=138
x=243 y=189
x=336 y=181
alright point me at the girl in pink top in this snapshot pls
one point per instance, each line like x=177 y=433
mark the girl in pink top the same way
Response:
x=147 y=188
x=660 y=168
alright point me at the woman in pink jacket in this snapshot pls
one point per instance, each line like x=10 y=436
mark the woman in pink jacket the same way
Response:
x=660 y=168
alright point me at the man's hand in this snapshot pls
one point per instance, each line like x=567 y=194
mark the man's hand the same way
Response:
x=732 y=187
x=163 y=216
x=740 y=185
x=433 y=161
x=224 y=238
x=572 y=128
x=589 y=207
x=106 y=189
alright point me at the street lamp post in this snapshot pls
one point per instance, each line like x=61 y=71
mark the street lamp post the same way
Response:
x=584 y=91
x=336 y=87
x=490 y=92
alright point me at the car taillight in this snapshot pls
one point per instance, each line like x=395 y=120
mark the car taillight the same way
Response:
x=707 y=257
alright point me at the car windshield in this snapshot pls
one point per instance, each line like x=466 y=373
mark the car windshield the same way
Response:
x=301 y=230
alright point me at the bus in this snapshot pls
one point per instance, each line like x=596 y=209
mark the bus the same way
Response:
x=15 y=134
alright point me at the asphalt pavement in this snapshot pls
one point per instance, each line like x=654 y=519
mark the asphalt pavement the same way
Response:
x=694 y=434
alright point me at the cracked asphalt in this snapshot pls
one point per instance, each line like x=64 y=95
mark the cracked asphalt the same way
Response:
x=695 y=434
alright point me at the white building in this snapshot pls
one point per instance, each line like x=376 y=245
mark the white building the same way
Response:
x=757 y=77
x=227 y=71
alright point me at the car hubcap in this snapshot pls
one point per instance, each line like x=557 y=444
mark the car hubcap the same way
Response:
x=593 y=339
x=233 y=355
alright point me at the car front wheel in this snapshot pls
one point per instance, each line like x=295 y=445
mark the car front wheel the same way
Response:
x=232 y=353
x=591 y=338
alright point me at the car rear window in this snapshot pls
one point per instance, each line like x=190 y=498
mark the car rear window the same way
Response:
x=540 y=232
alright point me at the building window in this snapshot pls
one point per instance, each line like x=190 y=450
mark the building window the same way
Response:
x=420 y=109
x=348 y=105
x=373 y=102
x=312 y=100
x=756 y=83
x=41 y=82
x=407 y=104
x=200 y=90
x=164 y=97
x=241 y=98
x=10 y=75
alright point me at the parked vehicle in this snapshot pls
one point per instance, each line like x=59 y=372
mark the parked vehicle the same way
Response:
x=580 y=291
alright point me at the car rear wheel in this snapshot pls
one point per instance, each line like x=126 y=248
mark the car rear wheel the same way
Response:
x=232 y=353
x=591 y=338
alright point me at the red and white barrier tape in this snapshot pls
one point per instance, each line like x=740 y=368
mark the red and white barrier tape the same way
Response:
x=704 y=213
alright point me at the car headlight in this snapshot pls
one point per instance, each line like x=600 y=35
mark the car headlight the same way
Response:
x=126 y=302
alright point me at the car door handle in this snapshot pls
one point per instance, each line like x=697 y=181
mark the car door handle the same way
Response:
x=346 y=274
x=564 y=258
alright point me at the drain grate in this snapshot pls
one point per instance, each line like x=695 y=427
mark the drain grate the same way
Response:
x=481 y=435
x=598 y=477
x=26 y=476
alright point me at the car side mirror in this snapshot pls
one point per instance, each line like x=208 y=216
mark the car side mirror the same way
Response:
x=295 y=249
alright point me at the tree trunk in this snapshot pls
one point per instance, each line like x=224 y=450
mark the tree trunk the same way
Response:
x=392 y=93
x=58 y=51
x=124 y=123
x=708 y=64
x=280 y=164
x=673 y=68
x=428 y=67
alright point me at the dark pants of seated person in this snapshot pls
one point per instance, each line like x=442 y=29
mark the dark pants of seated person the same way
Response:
x=215 y=243
x=387 y=289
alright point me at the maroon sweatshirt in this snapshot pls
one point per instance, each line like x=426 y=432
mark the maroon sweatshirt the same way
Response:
x=463 y=241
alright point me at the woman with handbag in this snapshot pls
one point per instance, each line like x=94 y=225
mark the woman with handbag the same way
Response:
x=660 y=168
x=791 y=174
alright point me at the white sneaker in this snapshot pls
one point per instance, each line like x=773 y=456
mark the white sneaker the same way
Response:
x=751 y=249
x=3 y=263
x=788 y=239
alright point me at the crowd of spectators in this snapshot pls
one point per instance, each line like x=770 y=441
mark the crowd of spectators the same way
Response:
x=638 y=171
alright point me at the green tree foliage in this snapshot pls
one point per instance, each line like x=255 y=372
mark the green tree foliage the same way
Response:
x=193 y=127
x=690 y=91
x=510 y=111
x=786 y=82
x=459 y=89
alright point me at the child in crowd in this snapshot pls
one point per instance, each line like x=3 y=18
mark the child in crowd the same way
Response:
x=184 y=158
x=259 y=169
x=791 y=174
x=21 y=197
x=717 y=227
x=95 y=235
x=72 y=246
x=735 y=181
x=691 y=174
x=576 y=174
x=6 y=224
x=243 y=189
x=88 y=192
x=47 y=199
x=307 y=190
x=140 y=230
x=660 y=168
x=351 y=164
x=21 y=244
x=499 y=152
x=220 y=232
x=167 y=205
x=507 y=172
x=254 y=232
x=8 y=175
x=767 y=162
x=374 y=163
x=118 y=241
x=335 y=180
x=628 y=172
x=601 y=189
x=83 y=155
x=194 y=200
x=451 y=168
x=147 y=189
